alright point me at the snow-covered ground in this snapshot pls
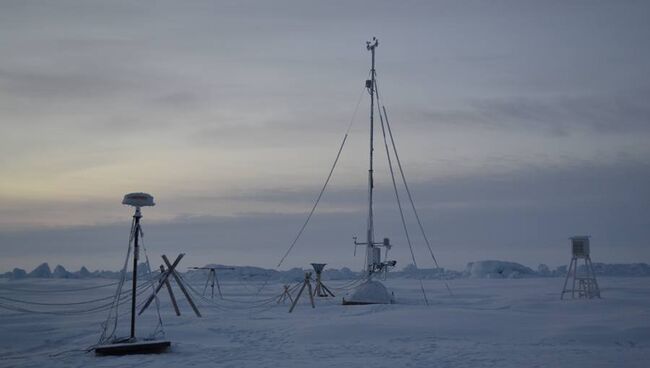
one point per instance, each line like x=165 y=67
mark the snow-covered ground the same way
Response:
x=486 y=323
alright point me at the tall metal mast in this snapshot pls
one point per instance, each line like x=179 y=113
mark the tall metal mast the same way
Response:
x=370 y=85
x=372 y=291
x=373 y=249
x=136 y=251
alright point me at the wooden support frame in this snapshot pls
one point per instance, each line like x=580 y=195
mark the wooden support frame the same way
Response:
x=163 y=281
x=180 y=285
x=320 y=290
x=306 y=283
x=320 y=287
x=285 y=295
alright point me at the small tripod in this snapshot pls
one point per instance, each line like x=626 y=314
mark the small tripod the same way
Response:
x=212 y=278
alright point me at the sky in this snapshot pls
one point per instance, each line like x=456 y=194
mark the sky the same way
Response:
x=519 y=124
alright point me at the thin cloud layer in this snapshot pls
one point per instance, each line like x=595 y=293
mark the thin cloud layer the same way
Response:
x=519 y=115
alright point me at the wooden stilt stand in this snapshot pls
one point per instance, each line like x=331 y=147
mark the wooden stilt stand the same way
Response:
x=306 y=283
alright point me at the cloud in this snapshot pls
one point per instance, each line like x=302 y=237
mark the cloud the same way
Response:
x=524 y=215
x=180 y=100
x=62 y=85
x=517 y=120
x=621 y=113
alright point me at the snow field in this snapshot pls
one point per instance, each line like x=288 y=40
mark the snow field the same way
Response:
x=486 y=323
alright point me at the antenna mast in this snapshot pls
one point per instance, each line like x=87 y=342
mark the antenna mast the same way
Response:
x=370 y=234
x=136 y=217
x=136 y=200
x=372 y=292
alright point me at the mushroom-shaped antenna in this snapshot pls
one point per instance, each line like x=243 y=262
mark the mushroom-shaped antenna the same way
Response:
x=138 y=200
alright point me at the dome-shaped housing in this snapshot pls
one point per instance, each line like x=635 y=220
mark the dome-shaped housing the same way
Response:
x=370 y=292
x=138 y=200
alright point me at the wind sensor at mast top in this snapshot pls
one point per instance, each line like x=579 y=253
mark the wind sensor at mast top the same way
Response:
x=370 y=45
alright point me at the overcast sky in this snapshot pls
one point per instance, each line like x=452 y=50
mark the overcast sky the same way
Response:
x=519 y=124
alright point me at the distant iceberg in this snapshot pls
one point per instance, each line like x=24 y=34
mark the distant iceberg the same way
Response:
x=42 y=271
x=497 y=270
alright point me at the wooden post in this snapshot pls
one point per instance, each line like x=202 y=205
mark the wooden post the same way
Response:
x=566 y=279
x=327 y=290
x=171 y=293
x=216 y=279
x=311 y=296
x=207 y=281
x=297 y=297
x=593 y=276
x=180 y=284
x=575 y=273
x=308 y=282
x=317 y=290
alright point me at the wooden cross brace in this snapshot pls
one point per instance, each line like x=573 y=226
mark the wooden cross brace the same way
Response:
x=286 y=294
x=164 y=281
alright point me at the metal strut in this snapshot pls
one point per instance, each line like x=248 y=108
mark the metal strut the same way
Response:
x=136 y=217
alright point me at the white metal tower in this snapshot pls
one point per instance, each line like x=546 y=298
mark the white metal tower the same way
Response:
x=584 y=283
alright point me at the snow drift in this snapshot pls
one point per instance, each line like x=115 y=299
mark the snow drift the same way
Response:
x=370 y=292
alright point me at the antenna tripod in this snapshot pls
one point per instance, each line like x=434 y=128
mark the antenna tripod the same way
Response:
x=212 y=278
